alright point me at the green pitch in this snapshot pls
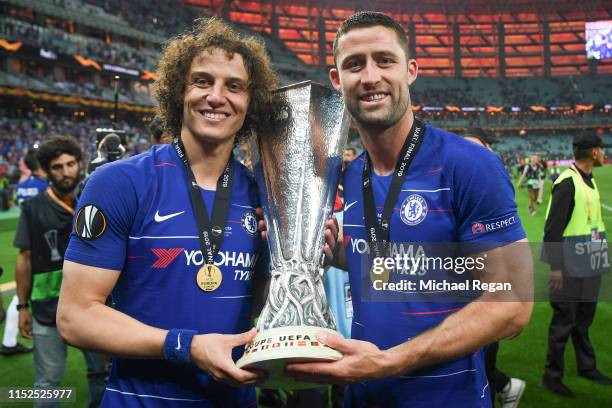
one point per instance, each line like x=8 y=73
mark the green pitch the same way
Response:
x=521 y=357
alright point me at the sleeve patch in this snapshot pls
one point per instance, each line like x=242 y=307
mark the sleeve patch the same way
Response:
x=90 y=223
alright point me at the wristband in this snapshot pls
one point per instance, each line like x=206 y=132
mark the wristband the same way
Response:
x=22 y=306
x=177 y=346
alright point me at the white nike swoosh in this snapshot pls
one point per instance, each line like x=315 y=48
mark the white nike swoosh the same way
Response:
x=160 y=218
x=347 y=206
x=178 y=347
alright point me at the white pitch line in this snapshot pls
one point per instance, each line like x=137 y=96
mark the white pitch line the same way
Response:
x=607 y=207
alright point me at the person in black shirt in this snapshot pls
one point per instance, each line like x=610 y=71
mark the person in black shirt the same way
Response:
x=574 y=218
x=42 y=236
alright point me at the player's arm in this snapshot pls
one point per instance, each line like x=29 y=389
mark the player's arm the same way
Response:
x=85 y=321
x=492 y=317
x=23 y=272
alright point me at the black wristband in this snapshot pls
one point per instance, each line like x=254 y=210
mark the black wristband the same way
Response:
x=23 y=306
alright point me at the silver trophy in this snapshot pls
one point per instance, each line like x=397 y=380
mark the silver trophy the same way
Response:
x=297 y=166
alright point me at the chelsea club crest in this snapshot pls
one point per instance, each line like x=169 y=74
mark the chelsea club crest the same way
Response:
x=414 y=210
x=249 y=222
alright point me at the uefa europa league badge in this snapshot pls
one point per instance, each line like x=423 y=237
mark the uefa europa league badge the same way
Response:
x=297 y=164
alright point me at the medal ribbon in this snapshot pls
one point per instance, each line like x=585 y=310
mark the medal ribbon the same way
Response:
x=378 y=233
x=210 y=231
x=59 y=202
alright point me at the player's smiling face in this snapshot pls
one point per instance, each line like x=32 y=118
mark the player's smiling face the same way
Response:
x=216 y=97
x=373 y=74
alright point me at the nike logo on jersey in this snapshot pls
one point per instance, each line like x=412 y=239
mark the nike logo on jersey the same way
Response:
x=162 y=218
x=349 y=205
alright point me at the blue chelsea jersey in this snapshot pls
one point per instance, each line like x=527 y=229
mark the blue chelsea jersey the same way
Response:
x=135 y=216
x=454 y=191
x=30 y=188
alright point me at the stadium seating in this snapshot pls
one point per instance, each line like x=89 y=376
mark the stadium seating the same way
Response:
x=130 y=34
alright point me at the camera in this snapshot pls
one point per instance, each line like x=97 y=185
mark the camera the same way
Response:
x=110 y=146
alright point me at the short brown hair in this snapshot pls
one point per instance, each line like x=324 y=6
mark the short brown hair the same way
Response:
x=367 y=19
x=208 y=33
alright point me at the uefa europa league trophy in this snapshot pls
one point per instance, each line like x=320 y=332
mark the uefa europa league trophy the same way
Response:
x=298 y=170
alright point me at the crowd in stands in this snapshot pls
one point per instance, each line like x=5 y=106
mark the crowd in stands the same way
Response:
x=162 y=17
x=45 y=81
x=520 y=92
x=165 y=19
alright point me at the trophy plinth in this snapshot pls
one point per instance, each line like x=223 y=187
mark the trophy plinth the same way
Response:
x=297 y=167
x=272 y=349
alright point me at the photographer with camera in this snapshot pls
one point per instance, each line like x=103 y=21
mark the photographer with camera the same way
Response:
x=110 y=148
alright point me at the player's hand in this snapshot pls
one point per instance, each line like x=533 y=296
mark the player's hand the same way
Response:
x=361 y=361
x=213 y=354
x=25 y=324
x=261 y=223
x=556 y=280
x=331 y=239
x=331 y=234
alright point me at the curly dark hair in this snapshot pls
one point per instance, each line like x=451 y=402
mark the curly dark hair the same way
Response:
x=207 y=33
x=54 y=147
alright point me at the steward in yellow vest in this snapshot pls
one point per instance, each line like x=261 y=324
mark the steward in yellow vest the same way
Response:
x=576 y=248
x=585 y=248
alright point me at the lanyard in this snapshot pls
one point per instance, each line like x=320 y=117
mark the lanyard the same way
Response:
x=586 y=193
x=378 y=233
x=59 y=202
x=210 y=231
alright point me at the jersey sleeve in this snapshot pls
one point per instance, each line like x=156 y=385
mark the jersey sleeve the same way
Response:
x=484 y=203
x=103 y=219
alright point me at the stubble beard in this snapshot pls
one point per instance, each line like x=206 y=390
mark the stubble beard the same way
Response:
x=394 y=113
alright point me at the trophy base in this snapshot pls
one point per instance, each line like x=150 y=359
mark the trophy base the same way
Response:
x=272 y=349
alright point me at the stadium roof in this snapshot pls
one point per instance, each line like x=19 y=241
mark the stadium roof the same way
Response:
x=449 y=37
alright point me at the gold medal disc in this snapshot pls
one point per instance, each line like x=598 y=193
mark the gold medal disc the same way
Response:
x=209 y=277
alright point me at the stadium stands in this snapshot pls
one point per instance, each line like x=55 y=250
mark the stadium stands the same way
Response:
x=63 y=55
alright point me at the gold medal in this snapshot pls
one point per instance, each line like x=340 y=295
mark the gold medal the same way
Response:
x=209 y=277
